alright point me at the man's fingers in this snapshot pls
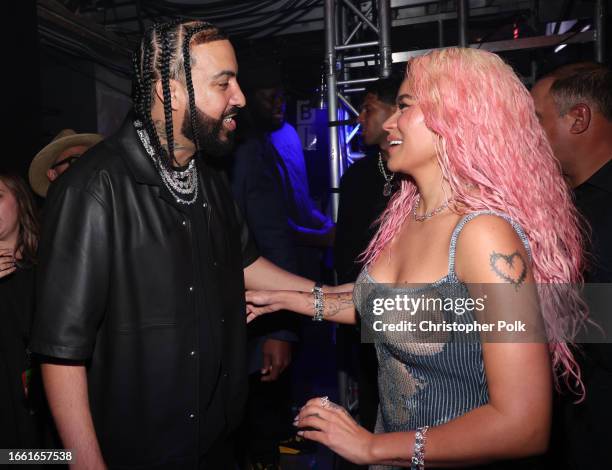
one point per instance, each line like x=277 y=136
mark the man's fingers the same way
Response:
x=266 y=364
x=280 y=367
x=272 y=375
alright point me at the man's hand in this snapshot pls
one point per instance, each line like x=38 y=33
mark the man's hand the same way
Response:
x=276 y=358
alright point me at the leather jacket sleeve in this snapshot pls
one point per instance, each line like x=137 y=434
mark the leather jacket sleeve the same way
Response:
x=74 y=274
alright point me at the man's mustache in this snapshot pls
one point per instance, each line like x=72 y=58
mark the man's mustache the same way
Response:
x=233 y=111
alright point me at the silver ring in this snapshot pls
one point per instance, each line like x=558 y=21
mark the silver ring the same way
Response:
x=325 y=402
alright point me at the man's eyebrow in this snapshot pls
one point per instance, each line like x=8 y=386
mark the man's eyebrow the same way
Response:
x=224 y=73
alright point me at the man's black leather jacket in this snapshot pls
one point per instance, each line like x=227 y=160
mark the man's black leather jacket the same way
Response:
x=116 y=267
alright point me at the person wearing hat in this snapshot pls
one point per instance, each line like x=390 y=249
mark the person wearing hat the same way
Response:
x=57 y=156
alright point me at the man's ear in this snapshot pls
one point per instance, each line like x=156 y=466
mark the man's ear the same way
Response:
x=580 y=116
x=177 y=94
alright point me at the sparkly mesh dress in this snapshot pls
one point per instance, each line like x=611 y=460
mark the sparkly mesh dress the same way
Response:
x=429 y=378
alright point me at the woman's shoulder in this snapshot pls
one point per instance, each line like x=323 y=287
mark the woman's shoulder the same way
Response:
x=488 y=244
x=482 y=227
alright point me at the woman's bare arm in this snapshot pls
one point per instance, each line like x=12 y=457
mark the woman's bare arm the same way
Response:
x=337 y=307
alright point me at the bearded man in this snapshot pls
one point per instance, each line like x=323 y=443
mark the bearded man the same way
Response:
x=143 y=265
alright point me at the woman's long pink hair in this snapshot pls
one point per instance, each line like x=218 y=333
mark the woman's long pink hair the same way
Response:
x=495 y=156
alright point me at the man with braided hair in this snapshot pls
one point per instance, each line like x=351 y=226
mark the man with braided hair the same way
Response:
x=143 y=265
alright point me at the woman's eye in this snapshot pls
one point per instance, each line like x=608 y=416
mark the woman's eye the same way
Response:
x=402 y=106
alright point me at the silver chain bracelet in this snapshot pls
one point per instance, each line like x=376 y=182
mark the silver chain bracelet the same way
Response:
x=317 y=292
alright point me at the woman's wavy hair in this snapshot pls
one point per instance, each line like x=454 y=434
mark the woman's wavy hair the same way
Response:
x=29 y=230
x=495 y=156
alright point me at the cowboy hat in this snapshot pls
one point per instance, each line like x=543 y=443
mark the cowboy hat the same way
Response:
x=47 y=156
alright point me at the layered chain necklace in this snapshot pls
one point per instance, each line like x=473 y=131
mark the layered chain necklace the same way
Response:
x=427 y=215
x=182 y=184
x=388 y=187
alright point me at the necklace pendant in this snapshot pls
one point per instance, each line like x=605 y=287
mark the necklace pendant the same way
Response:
x=387 y=189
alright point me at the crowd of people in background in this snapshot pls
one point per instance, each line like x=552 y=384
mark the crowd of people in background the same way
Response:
x=123 y=329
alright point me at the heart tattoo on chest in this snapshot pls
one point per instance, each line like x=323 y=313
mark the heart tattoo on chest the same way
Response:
x=511 y=268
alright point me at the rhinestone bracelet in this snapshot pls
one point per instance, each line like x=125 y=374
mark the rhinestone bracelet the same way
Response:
x=418 y=456
x=317 y=292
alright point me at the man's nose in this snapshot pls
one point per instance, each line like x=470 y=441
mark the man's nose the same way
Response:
x=238 y=98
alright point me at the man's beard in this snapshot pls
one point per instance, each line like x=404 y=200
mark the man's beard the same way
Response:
x=209 y=132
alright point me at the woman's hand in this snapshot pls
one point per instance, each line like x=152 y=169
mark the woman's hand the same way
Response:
x=260 y=302
x=333 y=426
x=7 y=262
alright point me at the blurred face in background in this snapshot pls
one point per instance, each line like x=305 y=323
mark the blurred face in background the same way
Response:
x=557 y=127
x=371 y=118
x=64 y=160
x=9 y=217
x=268 y=108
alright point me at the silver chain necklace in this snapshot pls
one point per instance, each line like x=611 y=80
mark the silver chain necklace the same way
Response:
x=388 y=187
x=427 y=215
x=180 y=183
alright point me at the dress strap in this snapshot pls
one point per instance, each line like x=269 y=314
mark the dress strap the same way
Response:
x=465 y=219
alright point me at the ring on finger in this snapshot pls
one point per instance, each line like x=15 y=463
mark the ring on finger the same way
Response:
x=325 y=402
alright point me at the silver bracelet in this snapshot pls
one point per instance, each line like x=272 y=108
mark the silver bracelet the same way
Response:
x=317 y=292
x=418 y=455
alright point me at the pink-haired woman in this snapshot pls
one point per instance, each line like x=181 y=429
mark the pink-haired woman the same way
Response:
x=483 y=203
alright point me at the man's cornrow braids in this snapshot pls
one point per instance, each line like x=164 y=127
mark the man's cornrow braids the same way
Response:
x=143 y=62
x=137 y=81
x=149 y=61
x=166 y=55
x=190 y=32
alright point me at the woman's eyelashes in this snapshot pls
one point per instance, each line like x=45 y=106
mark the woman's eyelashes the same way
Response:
x=401 y=106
